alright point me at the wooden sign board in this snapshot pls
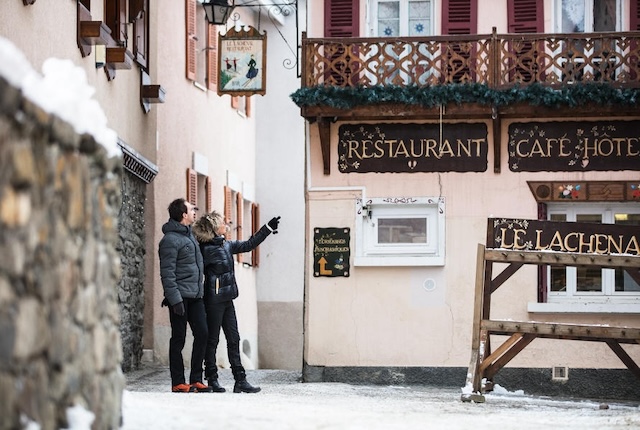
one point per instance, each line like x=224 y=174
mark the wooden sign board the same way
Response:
x=574 y=237
x=331 y=251
x=242 y=61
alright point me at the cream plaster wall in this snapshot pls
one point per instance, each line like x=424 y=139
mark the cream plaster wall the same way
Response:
x=194 y=120
x=381 y=316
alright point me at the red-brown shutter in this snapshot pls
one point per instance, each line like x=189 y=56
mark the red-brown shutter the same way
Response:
x=191 y=39
x=227 y=204
x=459 y=16
x=255 y=226
x=525 y=16
x=192 y=187
x=212 y=57
x=208 y=194
x=139 y=16
x=341 y=18
x=239 y=218
x=634 y=9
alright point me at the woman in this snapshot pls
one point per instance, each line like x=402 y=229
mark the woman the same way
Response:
x=220 y=289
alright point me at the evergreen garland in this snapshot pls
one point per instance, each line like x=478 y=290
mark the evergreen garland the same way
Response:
x=431 y=96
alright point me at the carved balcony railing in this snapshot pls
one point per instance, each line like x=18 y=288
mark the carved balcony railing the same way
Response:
x=499 y=61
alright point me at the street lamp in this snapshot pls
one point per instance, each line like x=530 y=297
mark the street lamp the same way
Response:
x=218 y=11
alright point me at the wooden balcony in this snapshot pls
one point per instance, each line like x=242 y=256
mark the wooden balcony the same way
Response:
x=499 y=63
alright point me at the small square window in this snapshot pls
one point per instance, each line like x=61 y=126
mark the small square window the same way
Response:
x=400 y=232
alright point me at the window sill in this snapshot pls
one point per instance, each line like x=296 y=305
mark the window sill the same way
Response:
x=398 y=260
x=584 y=308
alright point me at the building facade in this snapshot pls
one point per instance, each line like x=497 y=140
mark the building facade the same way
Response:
x=427 y=118
x=155 y=71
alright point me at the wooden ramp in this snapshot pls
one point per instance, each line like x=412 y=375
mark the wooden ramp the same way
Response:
x=485 y=362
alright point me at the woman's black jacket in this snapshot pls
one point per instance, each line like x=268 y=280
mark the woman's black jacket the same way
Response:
x=220 y=280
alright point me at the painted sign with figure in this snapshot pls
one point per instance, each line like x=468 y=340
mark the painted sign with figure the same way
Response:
x=242 y=62
x=331 y=251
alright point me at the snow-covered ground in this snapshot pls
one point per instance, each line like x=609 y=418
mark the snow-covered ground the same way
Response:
x=285 y=403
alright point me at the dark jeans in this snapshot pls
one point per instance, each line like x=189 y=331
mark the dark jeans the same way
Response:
x=223 y=315
x=195 y=316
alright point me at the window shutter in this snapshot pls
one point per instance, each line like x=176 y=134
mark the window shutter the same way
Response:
x=227 y=204
x=525 y=16
x=459 y=16
x=191 y=39
x=255 y=226
x=634 y=9
x=239 y=216
x=139 y=16
x=341 y=18
x=192 y=187
x=212 y=57
x=208 y=194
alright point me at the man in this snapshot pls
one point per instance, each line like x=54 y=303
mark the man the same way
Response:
x=181 y=271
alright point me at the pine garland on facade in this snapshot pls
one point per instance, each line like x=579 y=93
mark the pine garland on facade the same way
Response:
x=431 y=96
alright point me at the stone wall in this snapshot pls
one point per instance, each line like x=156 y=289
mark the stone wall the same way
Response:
x=60 y=342
x=131 y=286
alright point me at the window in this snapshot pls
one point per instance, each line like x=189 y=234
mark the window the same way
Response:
x=392 y=18
x=587 y=16
x=400 y=232
x=201 y=47
x=580 y=284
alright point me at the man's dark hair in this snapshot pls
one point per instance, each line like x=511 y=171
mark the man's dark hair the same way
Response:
x=177 y=208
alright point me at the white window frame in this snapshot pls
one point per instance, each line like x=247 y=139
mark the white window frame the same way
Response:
x=369 y=252
x=588 y=16
x=605 y=301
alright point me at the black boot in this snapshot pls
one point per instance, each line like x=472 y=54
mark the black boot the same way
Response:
x=215 y=386
x=242 y=386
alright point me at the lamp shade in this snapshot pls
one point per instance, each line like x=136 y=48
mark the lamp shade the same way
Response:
x=217 y=11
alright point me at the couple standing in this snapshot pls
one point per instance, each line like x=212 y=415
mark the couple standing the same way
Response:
x=186 y=254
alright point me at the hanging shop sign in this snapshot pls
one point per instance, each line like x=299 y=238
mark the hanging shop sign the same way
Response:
x=242 y=61
x=331 y=252
x=574 y=146
x=408 y=148
x=581 y=238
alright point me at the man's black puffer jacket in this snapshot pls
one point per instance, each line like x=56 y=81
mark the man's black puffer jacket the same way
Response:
x=217 y=253
x=180 y=263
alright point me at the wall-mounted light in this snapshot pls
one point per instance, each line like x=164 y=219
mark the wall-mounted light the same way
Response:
x=218 y=11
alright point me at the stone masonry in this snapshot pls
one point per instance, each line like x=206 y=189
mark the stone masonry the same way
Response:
x=60 y=342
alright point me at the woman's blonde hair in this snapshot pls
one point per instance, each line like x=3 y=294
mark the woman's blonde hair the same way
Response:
x=206 y=227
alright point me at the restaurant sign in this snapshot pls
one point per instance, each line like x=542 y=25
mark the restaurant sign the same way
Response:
x=408 y=148
x=574 y=146
x=581 y=238
x=331 y=251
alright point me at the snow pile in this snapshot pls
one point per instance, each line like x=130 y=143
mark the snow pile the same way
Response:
x=62 y=90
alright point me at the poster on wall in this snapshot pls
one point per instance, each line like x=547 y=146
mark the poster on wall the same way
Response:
x=574 y=146
x=242 y=58
x=331 y=251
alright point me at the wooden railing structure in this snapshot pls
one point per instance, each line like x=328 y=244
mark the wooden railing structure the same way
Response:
x=486 y=362
x=497 y=60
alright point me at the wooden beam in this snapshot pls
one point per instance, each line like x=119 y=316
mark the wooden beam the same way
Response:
x=563 y=331
x=561 y=258
x=622 y=354
x=514 y=350
x=324 y=128
x=497 y=138
x=500 y=350
x=506 y=274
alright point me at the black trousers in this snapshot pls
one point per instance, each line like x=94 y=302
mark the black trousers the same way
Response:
x=223 y=315
x=195 y=316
